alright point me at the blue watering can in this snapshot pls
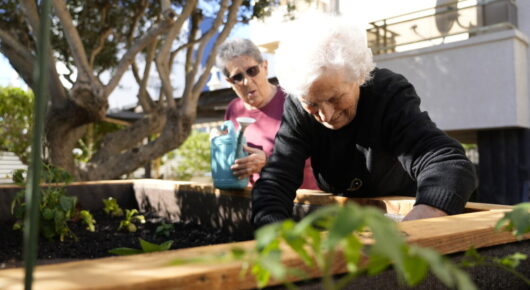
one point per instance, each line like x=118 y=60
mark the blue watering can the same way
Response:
x=225 y=149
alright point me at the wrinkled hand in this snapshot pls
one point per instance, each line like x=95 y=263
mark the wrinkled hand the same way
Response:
x=423 y=211
x=253 y=163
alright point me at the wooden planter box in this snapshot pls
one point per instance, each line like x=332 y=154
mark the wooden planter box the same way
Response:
x=230 y=210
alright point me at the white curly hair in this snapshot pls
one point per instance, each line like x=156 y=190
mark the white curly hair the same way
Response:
x=318 y=42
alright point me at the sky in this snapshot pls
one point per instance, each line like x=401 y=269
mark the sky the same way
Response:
x=125 y=95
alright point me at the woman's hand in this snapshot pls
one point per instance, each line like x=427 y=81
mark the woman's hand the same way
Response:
x=423 y=211
x=253 y=163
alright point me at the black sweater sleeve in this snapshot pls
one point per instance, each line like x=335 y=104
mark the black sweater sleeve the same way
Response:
x=275 y=190
x=445 y=177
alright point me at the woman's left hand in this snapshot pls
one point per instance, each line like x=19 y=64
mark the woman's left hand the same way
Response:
x=253 y=163
x=423 y=211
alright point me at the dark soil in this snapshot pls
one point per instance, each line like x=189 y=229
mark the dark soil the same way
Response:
x=96 y=244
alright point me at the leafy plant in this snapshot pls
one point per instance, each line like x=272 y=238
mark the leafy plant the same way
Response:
x=127 y=223
x=517 y=220
x=368 y=241
x=56 y=208
x=111 y=207
x=164 y=229
x=146 y=247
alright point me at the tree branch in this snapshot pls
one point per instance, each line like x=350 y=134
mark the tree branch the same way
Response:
x=84 y=71
x=22 y=65
x=190 y=102
x=114 y=143
x=211 y=32
x=162 y=60
x=15 y=45
x=29 y=8
x=137 y=15
x=128 y=57
x=143 y=95
x=99 y=47
x=186 y=45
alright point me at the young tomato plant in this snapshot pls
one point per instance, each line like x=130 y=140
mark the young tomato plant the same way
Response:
x=368 y=242
x=56 y=208
x=131 y=215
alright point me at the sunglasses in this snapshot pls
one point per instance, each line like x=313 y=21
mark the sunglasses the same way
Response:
x=238 y=78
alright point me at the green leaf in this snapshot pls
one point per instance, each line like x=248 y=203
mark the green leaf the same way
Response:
x=148 y=247
x=131 y=227
x=517 y=220
x=125 y=251
x=462 y=280
x=352 y=252
x=48 y=213
x=415 y=269
x=88 y=219
x=67 y=202
x=377 y=264
x=272 y=263
x=296 y=241
x=472 y=258
x=238 y=253
x=261 y=274
x=512 y=260
x=267 y=234
x=343 y=225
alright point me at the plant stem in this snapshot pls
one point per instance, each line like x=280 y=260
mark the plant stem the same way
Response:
x=508 y=269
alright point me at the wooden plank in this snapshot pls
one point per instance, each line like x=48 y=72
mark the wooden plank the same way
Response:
x=457 y=233
x=151 y=271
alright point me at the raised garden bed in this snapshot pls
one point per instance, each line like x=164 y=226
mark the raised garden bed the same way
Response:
x=91 y=245
x=229 y=212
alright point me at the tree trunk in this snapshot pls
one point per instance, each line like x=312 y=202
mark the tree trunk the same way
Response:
x=175 y=131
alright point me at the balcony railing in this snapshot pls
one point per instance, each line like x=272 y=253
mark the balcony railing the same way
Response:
x=451 y=21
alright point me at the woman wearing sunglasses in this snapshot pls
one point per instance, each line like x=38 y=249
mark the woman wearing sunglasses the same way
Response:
x=245 y=69
x=362 y=127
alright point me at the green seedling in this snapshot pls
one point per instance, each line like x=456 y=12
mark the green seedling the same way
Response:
x=111 y=207
x=145 y=247
x=88 y=219
x=56 y=208
x=164 y=229
x=131 y=215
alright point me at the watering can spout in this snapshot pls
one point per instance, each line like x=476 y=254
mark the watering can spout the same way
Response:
x=243 y=122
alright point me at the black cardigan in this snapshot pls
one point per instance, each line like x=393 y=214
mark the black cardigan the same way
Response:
x=390 y=148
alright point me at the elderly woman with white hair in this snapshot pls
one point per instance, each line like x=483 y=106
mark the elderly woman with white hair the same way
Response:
x=247 y=72
x=362 y=127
